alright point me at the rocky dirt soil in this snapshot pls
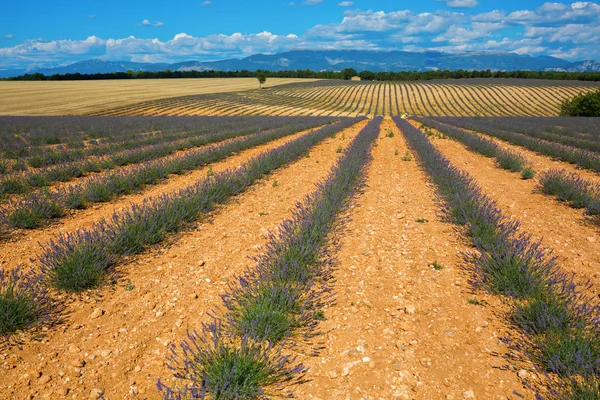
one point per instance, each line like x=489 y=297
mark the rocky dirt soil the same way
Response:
x=574 y=237
x=403 y=326
x=406 y=323
x=21 y=249
x=114 y=341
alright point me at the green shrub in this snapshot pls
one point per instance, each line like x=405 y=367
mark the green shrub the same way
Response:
x=582 y=105
x=23 y=301
x=527 y=173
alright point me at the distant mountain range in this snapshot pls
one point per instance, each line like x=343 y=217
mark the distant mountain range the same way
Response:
x=332 y=60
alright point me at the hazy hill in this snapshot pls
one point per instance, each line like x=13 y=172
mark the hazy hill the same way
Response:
x=336 y=60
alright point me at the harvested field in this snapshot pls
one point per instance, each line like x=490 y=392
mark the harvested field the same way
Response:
x=477 y=97
x=80 y=97
x=326 y=257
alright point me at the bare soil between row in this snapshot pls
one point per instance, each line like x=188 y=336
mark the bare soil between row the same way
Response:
x=116 y=339
x=406 y=323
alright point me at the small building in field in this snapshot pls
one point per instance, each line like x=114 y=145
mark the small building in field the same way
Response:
x=355 y=78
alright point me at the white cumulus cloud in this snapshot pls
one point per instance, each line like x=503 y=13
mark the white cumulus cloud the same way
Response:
x=570 y=30
x=147 y=22
x=460 y=3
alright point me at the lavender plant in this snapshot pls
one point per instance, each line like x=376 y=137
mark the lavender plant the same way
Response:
x=113 y=184
x=506 y=159
x=88 y=252
x=214 y=365
x=559 y=321
x=571 y=188
x=581 y=157
x=24 y=301
x=77 y=261
x=527 y=173
x=283 y=297
x=510 y=160
x=30 y=212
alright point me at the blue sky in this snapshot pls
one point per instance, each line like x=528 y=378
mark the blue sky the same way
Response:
x=41 y=33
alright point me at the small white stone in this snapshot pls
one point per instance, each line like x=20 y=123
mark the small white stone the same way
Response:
x=96 y=393
x=97 y=313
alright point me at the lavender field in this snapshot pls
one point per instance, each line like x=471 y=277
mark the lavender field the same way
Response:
x=242 y=257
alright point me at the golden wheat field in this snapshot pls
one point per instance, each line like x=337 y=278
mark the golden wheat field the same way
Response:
x=342 y=98
x=79 y=97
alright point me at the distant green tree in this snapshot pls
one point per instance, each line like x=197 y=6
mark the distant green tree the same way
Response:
x=348 y=73
x=262 y=78
x=582 y=105
x=367 y=75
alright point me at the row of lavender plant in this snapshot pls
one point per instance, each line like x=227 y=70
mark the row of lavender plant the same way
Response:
x=563 y=136
x=507 y=159
x=33 y=210
x=572 y=131
x=278 y=305
x=59 y=154
x=46 y=156
x=22 y=137
x=24 y=182
x=583 y=158
x=558 y=322
x=77 y=261
x=572 y=188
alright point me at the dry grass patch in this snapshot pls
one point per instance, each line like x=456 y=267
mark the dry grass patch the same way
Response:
x=80 y=97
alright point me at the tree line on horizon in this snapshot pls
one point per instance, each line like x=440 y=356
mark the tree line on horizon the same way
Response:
x=347 y=74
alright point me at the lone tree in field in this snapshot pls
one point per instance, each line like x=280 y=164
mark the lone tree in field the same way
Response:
x=348 y=73
x=262 y=78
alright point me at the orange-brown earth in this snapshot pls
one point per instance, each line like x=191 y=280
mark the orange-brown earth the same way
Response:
x=79 y=180
x=115 y=340
x=19 y=249
x=573 y=236
x=401 y=329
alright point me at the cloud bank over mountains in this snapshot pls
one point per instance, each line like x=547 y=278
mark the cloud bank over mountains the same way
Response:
x=566 y=30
